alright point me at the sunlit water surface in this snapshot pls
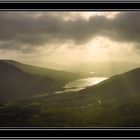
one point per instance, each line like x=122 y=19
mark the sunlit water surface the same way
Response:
x=77 y=85
x=80 y=84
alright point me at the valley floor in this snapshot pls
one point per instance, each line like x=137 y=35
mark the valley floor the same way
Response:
x=56 y=111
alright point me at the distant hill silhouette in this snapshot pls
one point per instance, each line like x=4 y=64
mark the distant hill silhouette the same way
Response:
x=18 y=80
x=56 y=74
x=107 y=69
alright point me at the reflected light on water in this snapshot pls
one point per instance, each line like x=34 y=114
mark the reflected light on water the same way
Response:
x=81 y=84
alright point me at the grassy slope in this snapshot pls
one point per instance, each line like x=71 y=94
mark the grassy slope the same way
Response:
x=118 y=87
x=35 y=113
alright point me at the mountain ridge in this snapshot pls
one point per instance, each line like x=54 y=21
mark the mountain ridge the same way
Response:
x=60 y=74
x=17 y=82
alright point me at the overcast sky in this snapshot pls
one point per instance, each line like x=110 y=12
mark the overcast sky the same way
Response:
x=69 y=37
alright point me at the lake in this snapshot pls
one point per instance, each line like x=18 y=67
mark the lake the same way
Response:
x=80 y=84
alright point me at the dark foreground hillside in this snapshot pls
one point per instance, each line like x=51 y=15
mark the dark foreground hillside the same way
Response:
x=113 y=102
x=115 y=114
x=16 y=81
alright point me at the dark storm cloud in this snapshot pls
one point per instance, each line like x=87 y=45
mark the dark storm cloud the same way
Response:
x=126 y=26
x=20 y=29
